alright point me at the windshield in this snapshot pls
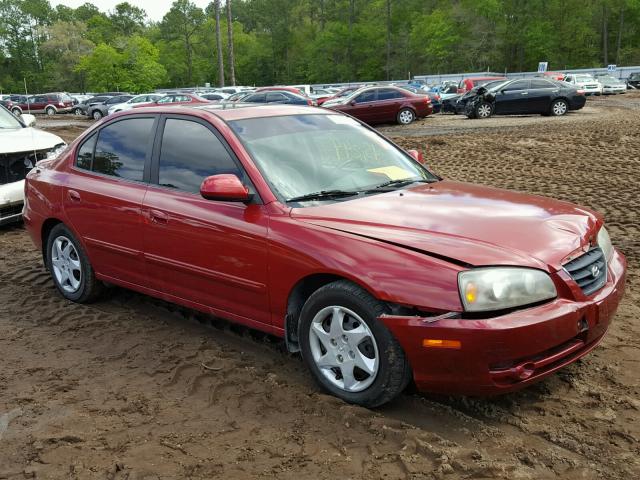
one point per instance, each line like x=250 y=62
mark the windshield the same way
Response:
x=300 y=155
x=584 y=78
x=8 y=120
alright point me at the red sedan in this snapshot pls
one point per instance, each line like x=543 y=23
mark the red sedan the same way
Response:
x=383 y=105
x=309 y=225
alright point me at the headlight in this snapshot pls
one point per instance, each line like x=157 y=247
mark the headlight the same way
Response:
x=498 y=288
x=56 y=151
x=604 y=242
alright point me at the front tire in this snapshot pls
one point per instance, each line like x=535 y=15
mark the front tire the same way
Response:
x=349 y=351
x=77 y=111
x=483 y=110
x=406 y=116
x=69 y=266
x=559 y=107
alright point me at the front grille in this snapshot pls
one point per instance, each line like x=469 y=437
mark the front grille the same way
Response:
x=589 y=270
x=15 y=166
x=10 y=211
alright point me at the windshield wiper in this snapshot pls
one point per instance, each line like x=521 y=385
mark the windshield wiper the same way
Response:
x=324 y=194
x=400 y=183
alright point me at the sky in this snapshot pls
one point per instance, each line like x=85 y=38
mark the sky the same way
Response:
x=155 y=8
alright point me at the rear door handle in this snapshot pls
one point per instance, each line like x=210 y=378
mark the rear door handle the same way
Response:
x=524 y=93
x=158 y=217
x=73 y=196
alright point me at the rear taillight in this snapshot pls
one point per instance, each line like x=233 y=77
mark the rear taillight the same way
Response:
x=437 y=97
x=61 y=104
x=427 y=100
x=309 y=102
x=580 y=92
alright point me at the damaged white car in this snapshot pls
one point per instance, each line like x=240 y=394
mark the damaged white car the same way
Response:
x=21 y=146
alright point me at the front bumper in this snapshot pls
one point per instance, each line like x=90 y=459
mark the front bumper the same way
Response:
x=11 y=202
x=509 y=352
x=617 y=89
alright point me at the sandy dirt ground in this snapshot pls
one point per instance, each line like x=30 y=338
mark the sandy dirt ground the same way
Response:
x=135 y=388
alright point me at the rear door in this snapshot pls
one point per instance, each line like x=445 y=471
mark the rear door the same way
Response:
x=541 y=94
x=388 y=105
x=210 y=253
x=37 y=104
x=513 y=97
x=103 y=197
x=276 y=97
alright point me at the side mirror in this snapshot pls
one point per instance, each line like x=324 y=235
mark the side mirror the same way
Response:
x=417 y=156
x=225 y=187
x=352 y=103
x=28 y=119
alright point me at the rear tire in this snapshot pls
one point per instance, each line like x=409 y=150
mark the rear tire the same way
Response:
x=69 y=266
x=406 y=116
x=339 y=332
x=559 y=107
x=17 y=111
x=97 y=114
x=50 y=111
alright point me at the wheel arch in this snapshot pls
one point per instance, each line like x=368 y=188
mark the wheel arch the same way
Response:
x=299 y=294
x=51 y=106
x=47 y=226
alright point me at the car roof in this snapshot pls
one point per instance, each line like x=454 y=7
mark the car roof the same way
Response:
x=237 y=111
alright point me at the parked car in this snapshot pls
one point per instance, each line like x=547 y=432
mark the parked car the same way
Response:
x=237 y=97
x=21 y=146
x=295 y=90
x=98 y=110
x=83 y=108
x=345 y=92
x=177 y=99
x=137 y=100
x=277 y=96
x=536 y=95
x=12 y=105
x=559 y=76
x=215 y=97
x=611 y=85
x=309 y=225
x=436 y=102
x=383 y=105
x=49 y=103
x=633 y=81
x=584 y=82
x=458 y=104
x=320 y=95
x=467 y=84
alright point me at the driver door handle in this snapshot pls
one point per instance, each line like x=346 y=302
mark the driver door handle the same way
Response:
x=524 y=93
x=73 y=196
x=159 y=217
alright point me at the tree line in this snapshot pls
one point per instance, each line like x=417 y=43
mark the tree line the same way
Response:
x=263 y=42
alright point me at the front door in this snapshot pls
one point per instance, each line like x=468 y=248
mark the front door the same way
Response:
x=103 y=199
x=513 y=97
x=365 y=107
x=210 y=253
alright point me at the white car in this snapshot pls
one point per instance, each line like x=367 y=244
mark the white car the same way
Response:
x=21 y=146
x=137 y=100
x=611 y=85
x=584 y=82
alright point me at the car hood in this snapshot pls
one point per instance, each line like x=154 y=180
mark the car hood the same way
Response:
x=13 y=140
x=464 y=223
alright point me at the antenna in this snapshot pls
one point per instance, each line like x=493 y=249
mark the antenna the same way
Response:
x=26 y=95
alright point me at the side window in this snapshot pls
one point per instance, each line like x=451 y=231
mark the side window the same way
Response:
x=518 y=85
x=258 y=98
x=190 y=152
x=276 y=97
x=388 y=94
x=183 y=98
x=541 y=84
x=122 y=148
x=369 y=96
x=85 y=153
x=167 y=99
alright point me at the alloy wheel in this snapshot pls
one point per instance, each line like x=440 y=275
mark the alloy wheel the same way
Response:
x=559 y=108
x=406 y=117
x=65 y=261
x=484 y=111
x=344 y=348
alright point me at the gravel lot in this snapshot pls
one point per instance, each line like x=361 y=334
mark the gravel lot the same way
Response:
x=135 y=388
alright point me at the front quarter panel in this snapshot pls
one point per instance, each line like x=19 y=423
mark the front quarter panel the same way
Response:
x=390 y=273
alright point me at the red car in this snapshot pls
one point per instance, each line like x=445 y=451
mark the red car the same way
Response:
x=383 y=105
x=342 y=93
x=311 y=226
x=559 y=76
x=286 y=89
x=177 y=99
x=467 y=84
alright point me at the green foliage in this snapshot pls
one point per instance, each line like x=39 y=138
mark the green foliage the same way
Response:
x=301 y=41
